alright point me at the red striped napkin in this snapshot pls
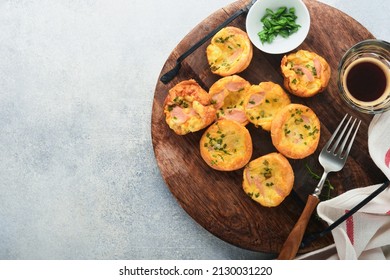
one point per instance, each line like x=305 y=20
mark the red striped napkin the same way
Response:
x=366 y=234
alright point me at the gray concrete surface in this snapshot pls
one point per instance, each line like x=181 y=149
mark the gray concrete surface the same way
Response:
x=78 y=177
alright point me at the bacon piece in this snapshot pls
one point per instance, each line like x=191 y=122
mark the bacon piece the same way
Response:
x=180 y=116
x=280 y=191
x=235 y=86
x=305 y=119
x=236 y=115
x=255 y=99
x=305 y=71
x=234 y=56
x=218 y=99
x=317 y=65
x=252 y=180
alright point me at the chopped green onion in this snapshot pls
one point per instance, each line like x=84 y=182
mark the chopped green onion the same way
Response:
x=280 y=22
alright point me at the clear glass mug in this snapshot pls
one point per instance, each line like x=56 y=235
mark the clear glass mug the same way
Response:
x=364 y=76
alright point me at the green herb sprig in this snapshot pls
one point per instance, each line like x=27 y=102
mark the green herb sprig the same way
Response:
x=280 y=22
x=327 y=183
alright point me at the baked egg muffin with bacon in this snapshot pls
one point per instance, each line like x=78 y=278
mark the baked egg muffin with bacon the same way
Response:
x=188 y=108
x=268 y=179
x=226 y=145
x=263 y=102
x=228 y=95
x=295 y=131
x=229 y=52
x=305 y=73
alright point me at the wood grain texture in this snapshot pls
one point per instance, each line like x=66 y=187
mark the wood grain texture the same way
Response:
x=215 y=199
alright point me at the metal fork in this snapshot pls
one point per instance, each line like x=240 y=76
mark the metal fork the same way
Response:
x=332 y=158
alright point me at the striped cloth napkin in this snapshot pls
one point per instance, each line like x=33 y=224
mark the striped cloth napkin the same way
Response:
x=366 y=234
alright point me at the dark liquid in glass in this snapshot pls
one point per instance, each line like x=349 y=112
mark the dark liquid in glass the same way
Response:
x=366 y=81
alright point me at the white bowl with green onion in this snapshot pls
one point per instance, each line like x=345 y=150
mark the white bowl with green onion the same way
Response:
x=277 y=26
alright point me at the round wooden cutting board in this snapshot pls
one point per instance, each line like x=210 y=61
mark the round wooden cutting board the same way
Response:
x=215 y=199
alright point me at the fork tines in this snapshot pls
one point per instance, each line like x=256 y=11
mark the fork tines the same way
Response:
x=334 y=146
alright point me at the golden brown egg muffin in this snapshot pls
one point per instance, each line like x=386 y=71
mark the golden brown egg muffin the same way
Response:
x=295 y=131
x=268 y=179
x=229 y=52
x=263 y=102
x=305 y=73
x=226 y=145
x=228 y=95
x=188 y=108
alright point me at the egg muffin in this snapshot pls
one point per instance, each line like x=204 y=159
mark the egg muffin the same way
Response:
x=295 y=131
x=188 y=108
x=268 y=179
x=263 y=102
x=229 y=52
x=227 y=95
x=305 y=73
x=226 y=145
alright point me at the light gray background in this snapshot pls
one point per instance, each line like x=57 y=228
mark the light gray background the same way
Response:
x=78 y=177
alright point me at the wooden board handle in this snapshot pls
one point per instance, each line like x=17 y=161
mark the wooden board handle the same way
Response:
x=294 y=239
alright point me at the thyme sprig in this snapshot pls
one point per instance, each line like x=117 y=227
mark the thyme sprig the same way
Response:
x=327 y=183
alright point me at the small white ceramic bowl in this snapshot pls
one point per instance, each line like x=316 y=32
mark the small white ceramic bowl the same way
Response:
x=279 y=44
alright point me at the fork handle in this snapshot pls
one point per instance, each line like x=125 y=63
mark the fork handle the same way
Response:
x=291 y=245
